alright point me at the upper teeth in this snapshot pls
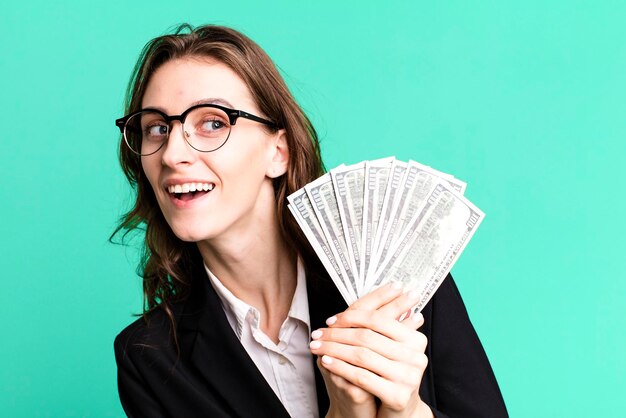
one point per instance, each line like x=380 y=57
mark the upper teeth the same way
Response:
x=190 y=187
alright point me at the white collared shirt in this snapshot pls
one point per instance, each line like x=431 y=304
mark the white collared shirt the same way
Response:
x=288 y=365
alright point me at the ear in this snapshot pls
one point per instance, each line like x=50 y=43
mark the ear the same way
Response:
x=279 y=156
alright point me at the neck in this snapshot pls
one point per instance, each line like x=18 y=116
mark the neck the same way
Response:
x=259 y=268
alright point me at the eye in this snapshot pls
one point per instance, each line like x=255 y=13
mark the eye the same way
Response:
x=157 y=130
x=211 y=125
x=208 y=122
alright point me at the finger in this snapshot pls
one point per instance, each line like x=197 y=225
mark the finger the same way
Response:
x=400 y=305
x=354 y=393
x=332 y=380
x=364 y=358
x=378 y=297
x=379 y=323
x=363 y=337
x=414 y=321
x=390 y=393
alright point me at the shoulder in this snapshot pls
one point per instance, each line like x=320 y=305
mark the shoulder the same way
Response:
x=150 y=335
x=462 y=382
x=157 y=331
x=447 y=323
x=448 y=313
x=145 y=329
x=148 y=366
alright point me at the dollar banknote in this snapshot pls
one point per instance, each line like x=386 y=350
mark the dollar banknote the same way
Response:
x=348 y=182
x=376 y=178
x=392 y=194
x=302 y=210
x=432 y=241
x=458 y=184
x=386 y=220
x=322 y=197
x=413 y=190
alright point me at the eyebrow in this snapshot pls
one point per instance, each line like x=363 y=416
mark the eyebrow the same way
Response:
x=212 y=100
x=216 y=100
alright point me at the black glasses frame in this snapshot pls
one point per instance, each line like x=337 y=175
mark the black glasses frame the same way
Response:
x=233 y=115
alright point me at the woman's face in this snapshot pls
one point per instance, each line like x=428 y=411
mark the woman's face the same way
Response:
x=239 y=174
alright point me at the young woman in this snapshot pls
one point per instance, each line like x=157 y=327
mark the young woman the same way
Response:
x=241 y=319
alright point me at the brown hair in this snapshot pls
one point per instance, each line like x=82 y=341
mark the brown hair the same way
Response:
x=167 y=261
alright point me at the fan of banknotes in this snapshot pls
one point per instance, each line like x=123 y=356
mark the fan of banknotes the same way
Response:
x=386 y=220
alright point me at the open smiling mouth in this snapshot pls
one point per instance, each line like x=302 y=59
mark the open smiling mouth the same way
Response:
x=190 y=191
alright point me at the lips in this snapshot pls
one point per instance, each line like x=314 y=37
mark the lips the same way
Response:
x=181 y=193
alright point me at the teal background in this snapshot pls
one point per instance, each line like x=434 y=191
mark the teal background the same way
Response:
x=524 y=101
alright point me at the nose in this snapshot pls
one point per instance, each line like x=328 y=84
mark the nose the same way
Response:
x=177 y=150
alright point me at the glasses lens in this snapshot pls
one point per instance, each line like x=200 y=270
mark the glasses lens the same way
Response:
x=207 y=128
x=146 y=132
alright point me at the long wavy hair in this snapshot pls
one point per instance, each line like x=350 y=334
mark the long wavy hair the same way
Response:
x=167 y=261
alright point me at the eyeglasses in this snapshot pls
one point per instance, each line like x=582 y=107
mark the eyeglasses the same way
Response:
x=206 y=127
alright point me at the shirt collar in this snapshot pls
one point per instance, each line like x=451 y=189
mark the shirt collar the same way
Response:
x=300 y=303
x=237 y=310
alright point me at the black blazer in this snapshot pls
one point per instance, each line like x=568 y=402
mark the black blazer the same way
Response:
x=213 y=376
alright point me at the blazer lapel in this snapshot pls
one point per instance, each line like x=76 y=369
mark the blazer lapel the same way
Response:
x=210 y=344
x=324 y=302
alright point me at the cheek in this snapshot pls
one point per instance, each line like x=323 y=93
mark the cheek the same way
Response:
x=246 y=164
x=245 y=183
x=245 y=177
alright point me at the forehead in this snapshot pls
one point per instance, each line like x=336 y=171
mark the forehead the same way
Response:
x=179 y=83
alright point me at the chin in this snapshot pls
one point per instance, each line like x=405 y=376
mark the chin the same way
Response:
x=190 y=236
x=189 y=228
x=194 y=232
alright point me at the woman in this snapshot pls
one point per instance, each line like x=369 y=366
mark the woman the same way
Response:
x=213 y=144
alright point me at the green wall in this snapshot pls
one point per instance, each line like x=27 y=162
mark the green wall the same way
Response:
x=525 y=102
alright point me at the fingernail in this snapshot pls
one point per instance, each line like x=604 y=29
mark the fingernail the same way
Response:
x=326 y=359
x=316 y=334
x=413 y=295
x=315 y=345
x=331 y=320
x=417 y=317
x=396 y=285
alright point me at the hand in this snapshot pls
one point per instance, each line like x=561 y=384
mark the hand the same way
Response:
x=366 y=353
x=346 y=399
